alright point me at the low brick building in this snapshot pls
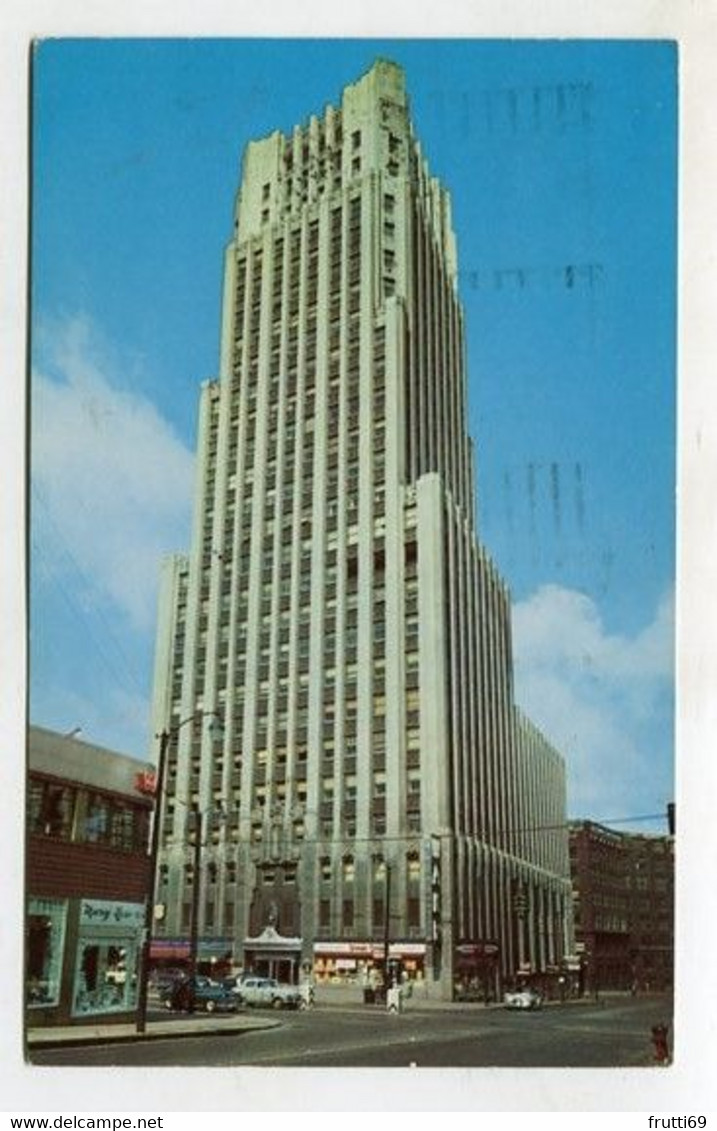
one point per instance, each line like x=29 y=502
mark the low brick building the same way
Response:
x=623 y=892
x=87 y=871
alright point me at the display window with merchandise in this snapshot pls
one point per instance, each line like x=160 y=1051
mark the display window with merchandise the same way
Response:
x=46 y=924
x=107 y=955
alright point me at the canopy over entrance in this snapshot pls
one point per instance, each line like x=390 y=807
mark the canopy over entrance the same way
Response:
x=273 y=955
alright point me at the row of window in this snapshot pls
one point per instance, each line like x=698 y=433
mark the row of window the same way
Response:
x=76 y=813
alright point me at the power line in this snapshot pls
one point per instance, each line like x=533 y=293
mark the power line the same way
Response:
x=402 y=838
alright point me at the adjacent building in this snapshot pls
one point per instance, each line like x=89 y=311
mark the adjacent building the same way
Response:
x=623 y=893
x=375 y=790
x=87 y=872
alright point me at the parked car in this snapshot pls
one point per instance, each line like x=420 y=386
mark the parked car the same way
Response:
x=524 y=998
x=163 y=978
x=257 y=991
x=209 y=996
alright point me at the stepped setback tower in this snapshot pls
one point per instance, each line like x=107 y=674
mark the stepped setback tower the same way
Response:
x=375 y=791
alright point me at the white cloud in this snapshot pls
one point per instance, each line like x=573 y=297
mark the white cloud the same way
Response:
x=113 y=482
x=604 y=699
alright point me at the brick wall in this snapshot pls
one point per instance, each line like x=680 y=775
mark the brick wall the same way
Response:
x=60 y=869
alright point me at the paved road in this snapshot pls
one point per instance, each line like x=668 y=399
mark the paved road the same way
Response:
x=611 y=1034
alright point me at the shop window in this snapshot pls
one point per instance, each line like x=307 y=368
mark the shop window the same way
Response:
x=104 y=981
x=45 y=944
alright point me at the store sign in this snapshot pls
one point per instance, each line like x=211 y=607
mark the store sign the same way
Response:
x=146 y=782
x=478 y=950
x=368 y=950
x=359 y=950
x=106 y=913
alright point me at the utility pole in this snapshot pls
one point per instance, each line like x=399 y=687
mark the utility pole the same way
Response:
x=151 y=884
x=164 y=739
x=387 y=925
x=194 y=935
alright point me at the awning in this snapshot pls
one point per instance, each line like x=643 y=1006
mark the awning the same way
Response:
x=271 y=942
x=180 y=947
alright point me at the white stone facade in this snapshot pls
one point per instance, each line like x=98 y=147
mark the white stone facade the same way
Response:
x=337 y=610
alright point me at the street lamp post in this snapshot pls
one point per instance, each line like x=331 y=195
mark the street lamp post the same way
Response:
x=164 y=739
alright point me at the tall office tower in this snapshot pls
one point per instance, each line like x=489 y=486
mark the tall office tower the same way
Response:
x=376 y=788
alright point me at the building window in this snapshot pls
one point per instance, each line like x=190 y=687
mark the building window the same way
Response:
x=104 y=982
x=348 y=914
x=96 y=825
x=414 y=869
x=45 y=948
x=378 y=914
x=51 y=809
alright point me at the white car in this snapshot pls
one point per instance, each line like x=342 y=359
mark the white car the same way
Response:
x=522 y=999
x=267 y=991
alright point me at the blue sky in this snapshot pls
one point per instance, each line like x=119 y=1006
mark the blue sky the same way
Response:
x=561 y=160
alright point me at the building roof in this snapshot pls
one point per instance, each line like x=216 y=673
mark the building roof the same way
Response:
x=83 y=763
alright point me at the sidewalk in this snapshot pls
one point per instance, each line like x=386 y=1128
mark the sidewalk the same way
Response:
x=72 y=1035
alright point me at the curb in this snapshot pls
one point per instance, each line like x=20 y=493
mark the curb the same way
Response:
x=176 y=1032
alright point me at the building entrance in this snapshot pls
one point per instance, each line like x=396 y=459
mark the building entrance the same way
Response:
x=272 y=955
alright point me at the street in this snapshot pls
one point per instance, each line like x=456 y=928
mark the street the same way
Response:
x=614 y=1032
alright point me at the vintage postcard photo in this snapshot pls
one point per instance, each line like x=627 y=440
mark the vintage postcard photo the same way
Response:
x=352 y=473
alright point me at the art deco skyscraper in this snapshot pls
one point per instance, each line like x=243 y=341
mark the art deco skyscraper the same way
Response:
x=337 y=610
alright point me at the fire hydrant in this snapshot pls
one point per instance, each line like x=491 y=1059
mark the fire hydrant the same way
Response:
x=659 y=1040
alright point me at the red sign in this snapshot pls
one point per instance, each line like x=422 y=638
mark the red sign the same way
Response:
x=146 y=782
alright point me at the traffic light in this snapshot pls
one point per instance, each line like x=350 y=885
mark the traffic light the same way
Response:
x=671 y=818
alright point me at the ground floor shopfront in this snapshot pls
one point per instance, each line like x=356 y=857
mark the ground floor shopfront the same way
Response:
x=82 y=960
x=272 y=955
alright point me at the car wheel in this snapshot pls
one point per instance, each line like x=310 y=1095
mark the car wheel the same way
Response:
x=211 y=1006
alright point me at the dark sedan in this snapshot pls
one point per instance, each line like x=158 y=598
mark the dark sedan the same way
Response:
x=209 y=996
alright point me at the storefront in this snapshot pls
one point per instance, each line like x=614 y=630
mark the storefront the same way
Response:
x=347 y=963
x=477 y=973
x=87 y=878
x=215 y=956
x=106 y=957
